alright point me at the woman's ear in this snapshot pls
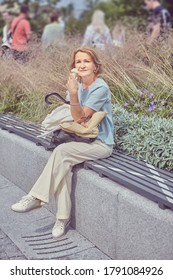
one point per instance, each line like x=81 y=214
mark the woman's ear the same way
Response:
x=96 y=69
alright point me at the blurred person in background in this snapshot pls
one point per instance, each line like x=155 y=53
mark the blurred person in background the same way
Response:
x=118 y=35
x=53 y=32
x=7 y=18
x=62 y=23
x=159 y=22
x=21 y=32
x=97 y=33
x=6 y=34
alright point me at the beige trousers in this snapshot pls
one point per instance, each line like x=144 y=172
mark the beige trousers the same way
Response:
x=56 y=177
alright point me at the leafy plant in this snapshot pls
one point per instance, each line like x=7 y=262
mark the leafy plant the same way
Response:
x=147 y=138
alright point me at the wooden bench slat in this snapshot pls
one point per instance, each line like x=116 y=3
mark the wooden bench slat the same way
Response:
x=126 y=173
x=142 y=163
x=26 y=130
x=162 y=199
x=146 y=174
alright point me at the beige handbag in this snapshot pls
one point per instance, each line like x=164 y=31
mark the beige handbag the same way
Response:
x=74 y=132
x=64 y=129
x=90 y=130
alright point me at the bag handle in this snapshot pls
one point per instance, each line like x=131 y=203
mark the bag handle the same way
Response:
x=57 y=95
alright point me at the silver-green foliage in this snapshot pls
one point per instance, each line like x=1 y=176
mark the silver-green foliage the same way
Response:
x=148 y=138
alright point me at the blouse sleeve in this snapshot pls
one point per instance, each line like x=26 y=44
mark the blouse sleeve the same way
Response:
x=98 y=98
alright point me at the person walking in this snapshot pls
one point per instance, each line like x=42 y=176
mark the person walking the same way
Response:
x=159 y=22
x=6 y=35
x=87 y=95
x=53 y=32
x=118 y=35
x=6 y=32
x=21 y=32
x=97 y=33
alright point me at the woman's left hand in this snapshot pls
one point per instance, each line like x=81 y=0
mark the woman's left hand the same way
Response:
x=72 y=85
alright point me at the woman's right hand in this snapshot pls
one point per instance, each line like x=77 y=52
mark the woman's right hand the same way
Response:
x=72 y=86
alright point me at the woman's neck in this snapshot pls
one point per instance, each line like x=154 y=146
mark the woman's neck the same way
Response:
x=86 y=82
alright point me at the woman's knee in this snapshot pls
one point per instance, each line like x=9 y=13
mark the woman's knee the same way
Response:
x=60 y=150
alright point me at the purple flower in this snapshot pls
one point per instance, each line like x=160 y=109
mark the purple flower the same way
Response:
x=151 y=94
x=152 y=107
x=131 y=99
x=152 y=102
x=126 y=104
x=136 y=105
x=163 y=102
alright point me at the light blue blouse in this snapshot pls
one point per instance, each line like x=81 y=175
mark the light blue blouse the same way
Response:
x=98 y=97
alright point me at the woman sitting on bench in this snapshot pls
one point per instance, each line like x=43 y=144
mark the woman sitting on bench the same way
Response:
x=88 y=93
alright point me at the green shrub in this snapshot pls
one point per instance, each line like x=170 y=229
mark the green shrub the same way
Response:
x=147 y=138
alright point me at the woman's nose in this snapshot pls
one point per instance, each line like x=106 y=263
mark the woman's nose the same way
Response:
x=82 y=64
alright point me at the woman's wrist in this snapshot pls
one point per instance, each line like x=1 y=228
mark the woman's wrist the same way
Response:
x=74 y=101
x=74 y=104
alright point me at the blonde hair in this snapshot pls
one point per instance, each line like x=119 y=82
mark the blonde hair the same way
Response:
x=94 y=56
x=98 y=21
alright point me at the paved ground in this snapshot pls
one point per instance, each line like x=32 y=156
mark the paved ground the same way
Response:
x=28 y=235
x=8 y=250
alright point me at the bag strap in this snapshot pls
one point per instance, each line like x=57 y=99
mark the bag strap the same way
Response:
x=14 y=29
x=57 y=95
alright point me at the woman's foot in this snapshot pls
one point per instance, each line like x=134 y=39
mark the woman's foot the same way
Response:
x=60 y=228
x=27 y=203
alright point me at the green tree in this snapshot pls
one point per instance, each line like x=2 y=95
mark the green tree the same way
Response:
x=117 y=10
x=130 y=13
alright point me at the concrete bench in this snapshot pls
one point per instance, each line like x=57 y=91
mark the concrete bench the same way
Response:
x=27 y=130
x=137 y=175
x=120 y=222
x=143 y=178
